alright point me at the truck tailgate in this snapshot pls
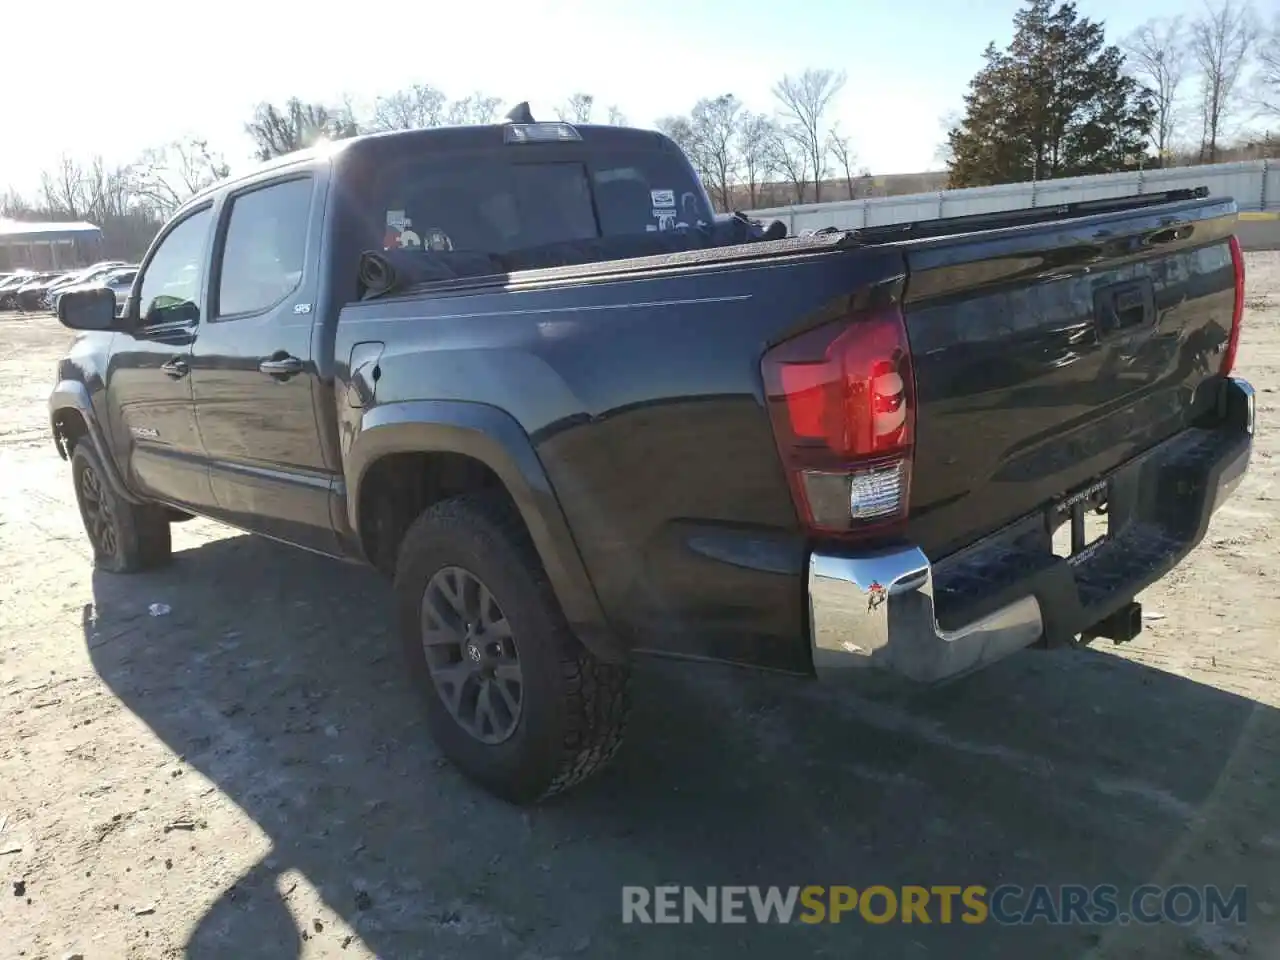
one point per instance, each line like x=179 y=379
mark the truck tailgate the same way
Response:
x=1047 y=355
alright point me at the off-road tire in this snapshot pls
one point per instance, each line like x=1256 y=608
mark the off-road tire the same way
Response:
x=140 y=533
x=574 y=706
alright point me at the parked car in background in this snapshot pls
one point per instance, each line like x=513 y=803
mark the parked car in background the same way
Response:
x=83 y=273
x=9 y=286
x=30 y=294
x=90 y=274
x=119 y=280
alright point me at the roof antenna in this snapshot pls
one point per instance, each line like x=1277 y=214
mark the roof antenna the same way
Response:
x=520 y=113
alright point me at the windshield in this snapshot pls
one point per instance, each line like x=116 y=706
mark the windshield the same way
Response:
x=495 y=205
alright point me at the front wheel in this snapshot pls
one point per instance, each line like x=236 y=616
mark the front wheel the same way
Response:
x=125 y=537
x=513 y=698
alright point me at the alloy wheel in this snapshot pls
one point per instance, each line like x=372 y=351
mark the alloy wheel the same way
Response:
x=471 y=655
x=99 y=517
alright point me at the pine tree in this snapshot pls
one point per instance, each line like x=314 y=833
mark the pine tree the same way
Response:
x=1055 y=103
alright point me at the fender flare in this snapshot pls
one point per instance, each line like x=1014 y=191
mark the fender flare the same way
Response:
x=493 y=437
x=74 y=395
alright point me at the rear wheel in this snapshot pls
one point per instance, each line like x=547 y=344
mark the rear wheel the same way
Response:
x=125 y=537
x=513 y=698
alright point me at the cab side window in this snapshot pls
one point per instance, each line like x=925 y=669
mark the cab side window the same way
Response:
x=171 y=284
x=265 y=247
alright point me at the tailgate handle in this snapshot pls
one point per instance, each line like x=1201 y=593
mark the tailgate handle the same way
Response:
x=1171 y=234
x=1123 y=306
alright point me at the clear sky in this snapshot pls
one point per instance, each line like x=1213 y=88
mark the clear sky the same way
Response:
x=116 y=78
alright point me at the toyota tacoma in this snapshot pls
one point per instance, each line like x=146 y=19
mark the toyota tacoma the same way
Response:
x=527 y=372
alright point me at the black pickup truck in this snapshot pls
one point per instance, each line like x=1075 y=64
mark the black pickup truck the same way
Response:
x=525 y=371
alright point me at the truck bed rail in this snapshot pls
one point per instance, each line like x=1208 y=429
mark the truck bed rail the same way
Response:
x=920 y=229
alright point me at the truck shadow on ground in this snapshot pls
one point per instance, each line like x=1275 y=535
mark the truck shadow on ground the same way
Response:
x=277 y=676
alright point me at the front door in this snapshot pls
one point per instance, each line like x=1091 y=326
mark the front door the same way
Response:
x=148 y=380
x=253 y=372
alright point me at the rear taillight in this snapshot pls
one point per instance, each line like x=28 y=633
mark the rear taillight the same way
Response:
x=842 y=401
x=1233 y=339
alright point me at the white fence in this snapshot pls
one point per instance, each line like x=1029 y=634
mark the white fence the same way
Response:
x=1255 y=185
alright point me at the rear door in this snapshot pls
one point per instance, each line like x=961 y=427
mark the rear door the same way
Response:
x=1049 y=354
x=253 y=371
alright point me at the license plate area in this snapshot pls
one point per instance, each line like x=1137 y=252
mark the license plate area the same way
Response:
x=1080 y=524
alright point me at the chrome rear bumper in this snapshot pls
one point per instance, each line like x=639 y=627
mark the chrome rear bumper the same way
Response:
x=877 y=609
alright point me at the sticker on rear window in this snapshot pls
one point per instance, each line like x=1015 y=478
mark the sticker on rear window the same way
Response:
x=397 y=228
x=666 y=219
x=663 y=198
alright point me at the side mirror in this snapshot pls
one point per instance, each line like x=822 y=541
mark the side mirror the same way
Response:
x=93 y=309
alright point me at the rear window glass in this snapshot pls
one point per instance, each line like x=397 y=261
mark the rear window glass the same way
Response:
x=647 y=197
x=489 y=206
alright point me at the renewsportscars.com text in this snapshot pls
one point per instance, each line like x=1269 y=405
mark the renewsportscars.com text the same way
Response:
x=1007 y=904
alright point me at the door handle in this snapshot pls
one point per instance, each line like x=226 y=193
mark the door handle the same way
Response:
x=281 y=367
x=176 y=368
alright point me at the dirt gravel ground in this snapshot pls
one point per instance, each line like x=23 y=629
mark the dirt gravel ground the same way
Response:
x=249 y=776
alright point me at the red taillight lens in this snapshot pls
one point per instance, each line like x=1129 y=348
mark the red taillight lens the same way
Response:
x=841 y=398
x=1233 y=339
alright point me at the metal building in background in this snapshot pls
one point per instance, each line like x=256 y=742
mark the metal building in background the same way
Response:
x=1255 y=185
x=48 y=246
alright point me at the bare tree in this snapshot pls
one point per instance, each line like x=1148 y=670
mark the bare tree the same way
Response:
x=756 y=132
x=715 y=131
x=790 y=156
x=474 y=109
x=14 y=205
x=351 y=110
x=1269 y=69
x=164 y=177
x=1157 y=56
x=803 y=102
x=846 y=158
x=680 y=130
x=577 y=109
x=109 y=194
x=412 y=108
x=709 y=138
x=1221 y=42
x=343 y=122
x=616 y=117
x=280 y=130
x=63 y=189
